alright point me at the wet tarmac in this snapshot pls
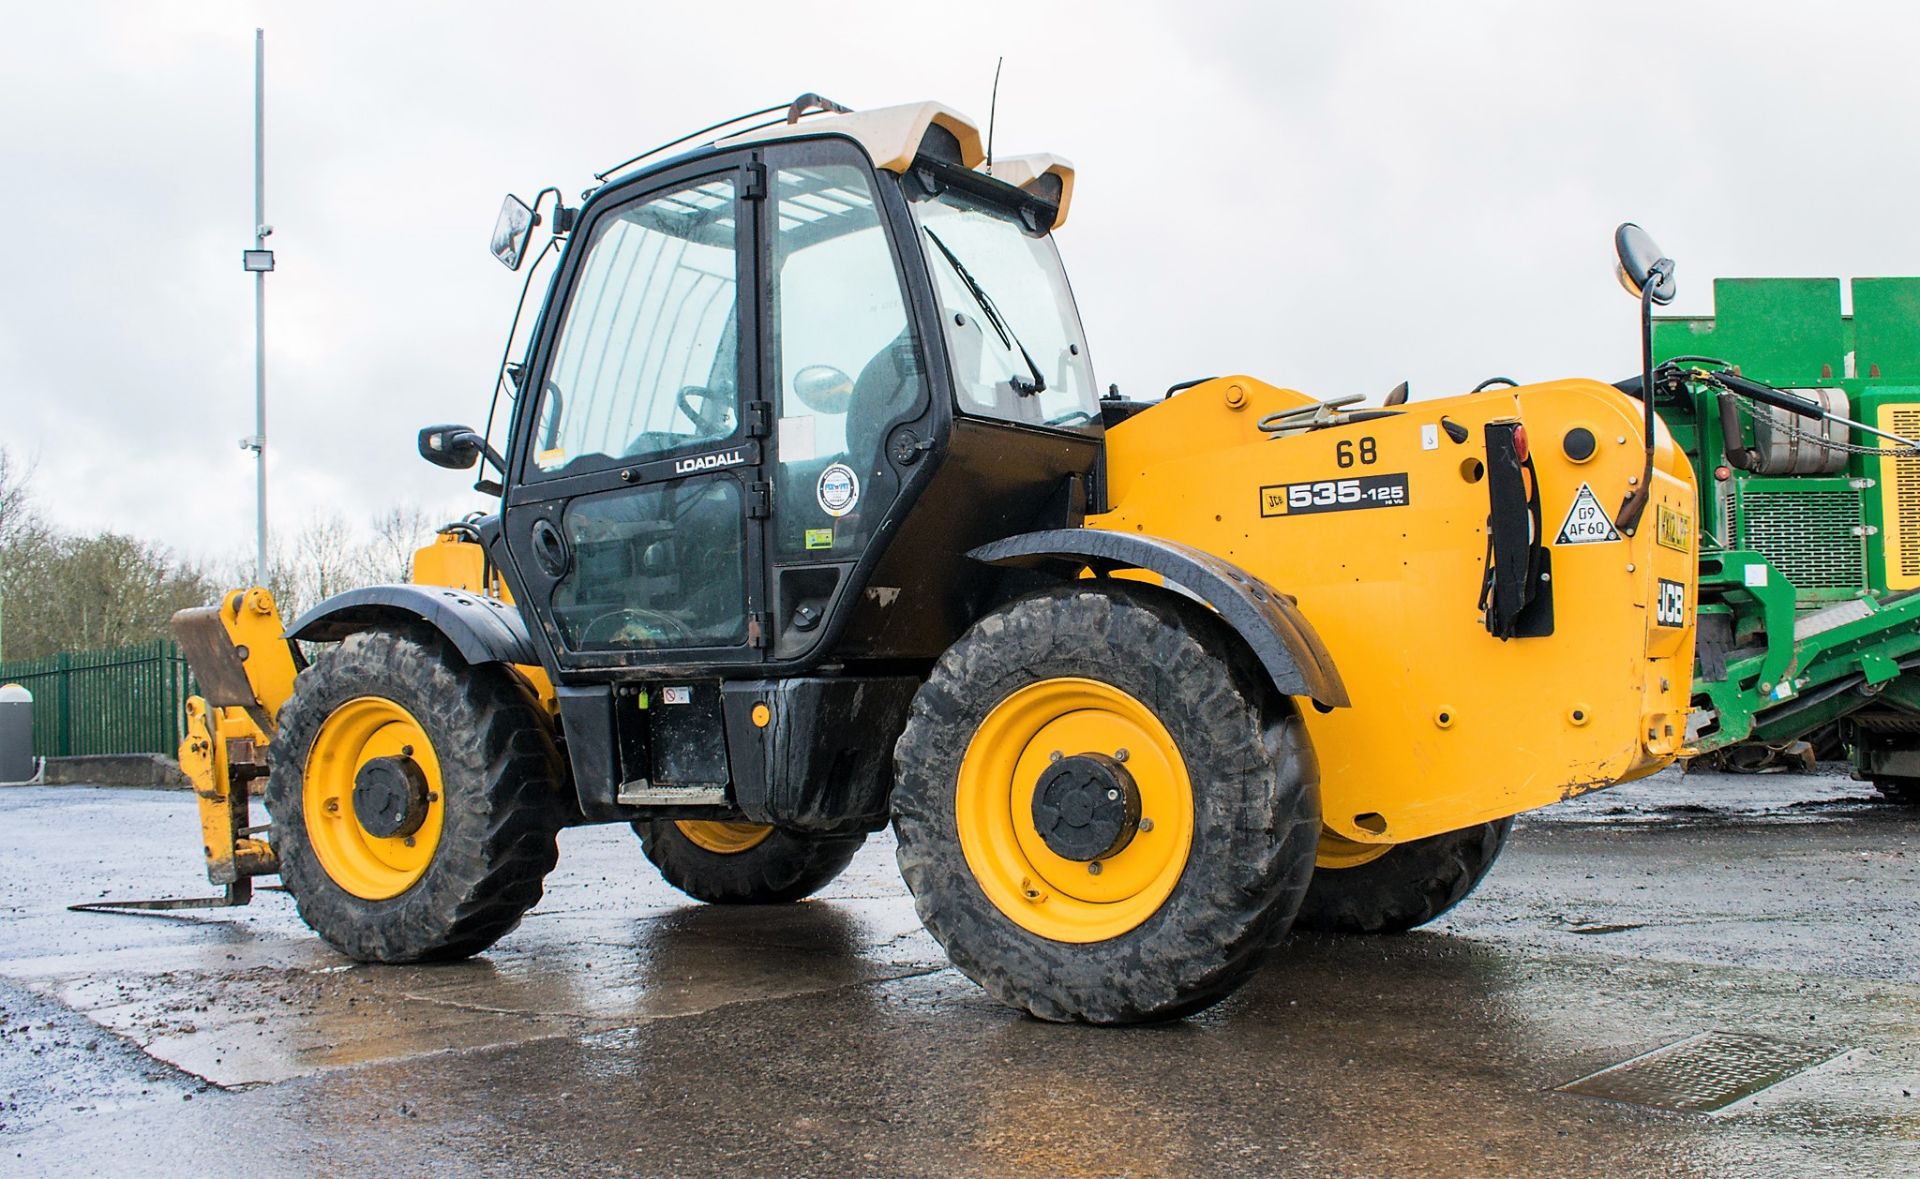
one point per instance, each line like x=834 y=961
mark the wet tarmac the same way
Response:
x=622 y=1030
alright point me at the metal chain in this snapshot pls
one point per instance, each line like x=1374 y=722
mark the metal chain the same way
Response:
x=1784 y=421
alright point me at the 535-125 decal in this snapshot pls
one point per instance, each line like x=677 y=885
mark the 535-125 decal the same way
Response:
x=1335 y=495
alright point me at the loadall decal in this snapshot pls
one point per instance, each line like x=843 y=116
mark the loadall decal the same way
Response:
x=1335 y=495
x=707 y=462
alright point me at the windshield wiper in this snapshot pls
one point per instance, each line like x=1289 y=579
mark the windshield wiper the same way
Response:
x=1001 y=327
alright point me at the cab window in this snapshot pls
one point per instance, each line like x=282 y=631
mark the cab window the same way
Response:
x=647 y=356
x=1008 y=314
x=848 y=367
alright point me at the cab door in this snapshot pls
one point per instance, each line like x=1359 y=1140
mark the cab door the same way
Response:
x=845 y=374
x=633 y=516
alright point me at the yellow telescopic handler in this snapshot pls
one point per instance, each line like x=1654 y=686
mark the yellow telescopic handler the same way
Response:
x=811 y=518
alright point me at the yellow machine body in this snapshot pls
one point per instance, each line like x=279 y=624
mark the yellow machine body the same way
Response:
x=458 y=563
x=1449 y=726
x=246 y=667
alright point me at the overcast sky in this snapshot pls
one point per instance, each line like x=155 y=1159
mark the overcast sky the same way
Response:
x=1333 y=197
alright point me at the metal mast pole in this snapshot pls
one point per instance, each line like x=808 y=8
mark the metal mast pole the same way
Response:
x=260 y=231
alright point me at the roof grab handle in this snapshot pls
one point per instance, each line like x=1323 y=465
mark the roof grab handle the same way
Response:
x=811 y=102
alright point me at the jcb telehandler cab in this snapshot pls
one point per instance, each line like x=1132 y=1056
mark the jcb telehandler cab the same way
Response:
x=812 y=518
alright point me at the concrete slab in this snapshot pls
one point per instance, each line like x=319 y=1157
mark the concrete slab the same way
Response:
x=623 y=1030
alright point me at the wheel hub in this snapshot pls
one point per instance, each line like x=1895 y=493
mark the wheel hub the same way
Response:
x=1086 y=807
x=390 y=796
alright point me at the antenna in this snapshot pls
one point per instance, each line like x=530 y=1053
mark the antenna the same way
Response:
x=993 y=106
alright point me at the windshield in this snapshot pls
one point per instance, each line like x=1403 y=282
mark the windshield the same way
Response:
x=1011 y=328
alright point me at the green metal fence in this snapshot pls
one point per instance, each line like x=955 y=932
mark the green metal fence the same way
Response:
x=119 y=700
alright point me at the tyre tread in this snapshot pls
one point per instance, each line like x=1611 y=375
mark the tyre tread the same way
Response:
x=1228 y=909
x=1409 y=886
x=783 y=868
x=489 y=867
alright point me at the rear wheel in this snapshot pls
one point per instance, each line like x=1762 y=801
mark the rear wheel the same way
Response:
x=1103 y=811
x=743 y=863
x=413 y=799
x=1360 y=889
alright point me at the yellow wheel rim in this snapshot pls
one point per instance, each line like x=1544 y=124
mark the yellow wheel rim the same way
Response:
x=1337 y=851
x=1037 y=889
x=367 y=865
x=723 y=839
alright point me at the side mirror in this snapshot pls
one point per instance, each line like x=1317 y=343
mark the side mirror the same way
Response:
x=511 y=230
x=1642 y=267
x=456 y=448
x=823 y=388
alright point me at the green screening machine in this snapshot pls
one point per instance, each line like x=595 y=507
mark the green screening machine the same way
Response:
x=1809 y=612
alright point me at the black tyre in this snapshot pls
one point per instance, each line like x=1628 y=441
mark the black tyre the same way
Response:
x=743 y=863
x=1410 y=885
x=1899 y=791
x=1103 y=810
x=414 y=799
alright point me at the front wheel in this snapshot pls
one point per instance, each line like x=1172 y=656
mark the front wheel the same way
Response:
x=725 y=863
x=1356 y=890
x=413 y=799
x=1103 y=810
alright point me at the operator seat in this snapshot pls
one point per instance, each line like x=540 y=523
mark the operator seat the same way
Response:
x=881 y=394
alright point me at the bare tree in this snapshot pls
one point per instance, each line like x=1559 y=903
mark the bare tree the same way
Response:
x=74 y=593
x=64 y=592
x=396 y=534
x=324 y=555
x=16 y=499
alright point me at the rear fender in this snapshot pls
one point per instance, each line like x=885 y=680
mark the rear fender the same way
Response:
x=1268 y=621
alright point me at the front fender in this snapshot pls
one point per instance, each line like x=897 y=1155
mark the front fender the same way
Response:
x=1270 y=622
x=482 y=629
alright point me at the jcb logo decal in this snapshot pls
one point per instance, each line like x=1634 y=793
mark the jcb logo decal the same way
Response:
x=1670 y=608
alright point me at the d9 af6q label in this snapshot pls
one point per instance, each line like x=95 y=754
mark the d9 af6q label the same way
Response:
x=1335 y=495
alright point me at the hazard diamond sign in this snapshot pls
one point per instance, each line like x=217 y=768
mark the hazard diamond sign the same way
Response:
x=1587 y=522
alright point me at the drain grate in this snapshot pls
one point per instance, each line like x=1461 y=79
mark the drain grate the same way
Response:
x=1702 y=1073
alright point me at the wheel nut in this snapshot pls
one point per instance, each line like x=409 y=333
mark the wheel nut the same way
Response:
x=1093 y=869
x=1054 y=756
x=1112 y=794
x=1120 y=755
x=1146 y=824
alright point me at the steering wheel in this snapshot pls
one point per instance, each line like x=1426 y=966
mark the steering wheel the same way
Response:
x=713 y=413
x=632 y=627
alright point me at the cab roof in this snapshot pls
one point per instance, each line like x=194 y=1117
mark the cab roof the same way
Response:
x=893 y=136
